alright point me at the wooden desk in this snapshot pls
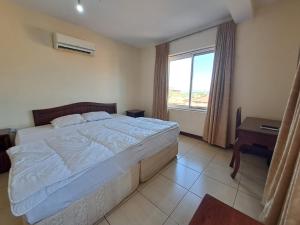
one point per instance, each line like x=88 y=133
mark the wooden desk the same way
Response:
x=249 y=133
x=214 y=212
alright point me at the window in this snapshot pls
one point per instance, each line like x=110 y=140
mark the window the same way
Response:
x=189 y=79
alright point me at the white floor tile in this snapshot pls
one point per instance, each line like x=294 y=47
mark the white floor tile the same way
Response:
x=206 y=185
x=103 y=222
x=4 y=202
x=6 y=218
x=186 y=209
x=180 y=174
x=3 y=180
x=184 y=144
x=253 y=172
x=254 y=160
x=222 y=174
x=248 y=205
x=170 y=222
x=163 y=193
x=223 y=158
x=194 y=161
x=205 y=150
x=144 y=184
x=136 y=211
x=182 y=151
x=252 y=185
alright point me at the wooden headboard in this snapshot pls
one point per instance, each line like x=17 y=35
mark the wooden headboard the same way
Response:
x=45 y=116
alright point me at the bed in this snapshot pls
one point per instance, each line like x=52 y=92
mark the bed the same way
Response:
x=89 y=195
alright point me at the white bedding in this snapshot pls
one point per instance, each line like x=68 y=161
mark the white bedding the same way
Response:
x=99 y=175
x=51 y=158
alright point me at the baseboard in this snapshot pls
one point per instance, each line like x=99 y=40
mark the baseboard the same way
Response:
x=191 y=135
x=230 y=146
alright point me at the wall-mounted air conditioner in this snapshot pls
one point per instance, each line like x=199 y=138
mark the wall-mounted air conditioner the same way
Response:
x=61 y=41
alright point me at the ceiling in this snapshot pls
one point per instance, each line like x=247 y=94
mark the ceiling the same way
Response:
x=142 y=22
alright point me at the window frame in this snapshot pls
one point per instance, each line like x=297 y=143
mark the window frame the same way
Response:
x=191 y=54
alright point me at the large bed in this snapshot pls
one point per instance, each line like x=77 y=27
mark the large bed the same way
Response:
x=87 y=196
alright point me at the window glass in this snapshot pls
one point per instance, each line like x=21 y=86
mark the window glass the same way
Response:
x=202 y=72
x=179 y=82
x=189 y=87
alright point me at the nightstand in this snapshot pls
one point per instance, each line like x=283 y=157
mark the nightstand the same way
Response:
x=135 y=113
x=5 y=144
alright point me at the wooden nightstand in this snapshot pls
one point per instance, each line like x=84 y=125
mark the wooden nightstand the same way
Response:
x=135 y=113
x=5 y=144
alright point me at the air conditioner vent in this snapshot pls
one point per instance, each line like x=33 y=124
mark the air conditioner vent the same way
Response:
x=61 y=41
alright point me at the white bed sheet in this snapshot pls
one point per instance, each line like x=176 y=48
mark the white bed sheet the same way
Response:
x=87 y=183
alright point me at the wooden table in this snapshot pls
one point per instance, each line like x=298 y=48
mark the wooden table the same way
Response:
x=5 y=144
x=250 y=133
x=214 y=212
x=135 y=113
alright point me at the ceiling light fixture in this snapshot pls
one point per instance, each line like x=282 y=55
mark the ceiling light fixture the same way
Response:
x=79 y=7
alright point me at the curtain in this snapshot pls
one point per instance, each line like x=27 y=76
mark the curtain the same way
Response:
x=160 y=91
x=217 y=119
x=282 y=191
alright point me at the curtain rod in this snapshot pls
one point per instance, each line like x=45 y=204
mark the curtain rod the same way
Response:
x=202 y=29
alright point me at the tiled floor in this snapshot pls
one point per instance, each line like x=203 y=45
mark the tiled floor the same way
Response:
x=173 y=195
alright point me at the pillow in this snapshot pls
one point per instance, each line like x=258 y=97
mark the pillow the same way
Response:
x=93 y=116
x=68 y=120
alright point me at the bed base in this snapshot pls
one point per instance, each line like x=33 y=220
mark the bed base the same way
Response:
x=92 y=208
x=150 y=166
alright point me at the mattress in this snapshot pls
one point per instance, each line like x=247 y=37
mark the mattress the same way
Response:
x=104 y=172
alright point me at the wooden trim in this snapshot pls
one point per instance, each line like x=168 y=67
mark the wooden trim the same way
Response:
x=45 y=116
x=191 y=135
x=201 y=139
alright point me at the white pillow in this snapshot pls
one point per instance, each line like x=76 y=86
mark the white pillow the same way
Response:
x=68 y=120
x=93 y=116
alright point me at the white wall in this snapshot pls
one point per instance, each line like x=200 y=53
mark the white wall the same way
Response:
x=33 y=75
x=190 y=121
x=197 y=41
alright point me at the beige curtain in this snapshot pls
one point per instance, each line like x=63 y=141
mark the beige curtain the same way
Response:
x=282 y=191
x=160 y=91
x=217 y=118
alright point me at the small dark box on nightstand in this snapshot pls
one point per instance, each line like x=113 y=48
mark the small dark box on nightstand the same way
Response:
x=5 y=144
x=135 y=113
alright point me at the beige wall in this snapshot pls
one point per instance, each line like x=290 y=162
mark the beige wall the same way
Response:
x=266 y=59
x=267 y=48
x=147 y=79
x=34 y=75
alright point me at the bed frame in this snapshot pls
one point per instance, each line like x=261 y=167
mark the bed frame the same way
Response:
x=45 y=116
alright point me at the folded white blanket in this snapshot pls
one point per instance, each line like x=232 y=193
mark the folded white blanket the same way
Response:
x=42 y=167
